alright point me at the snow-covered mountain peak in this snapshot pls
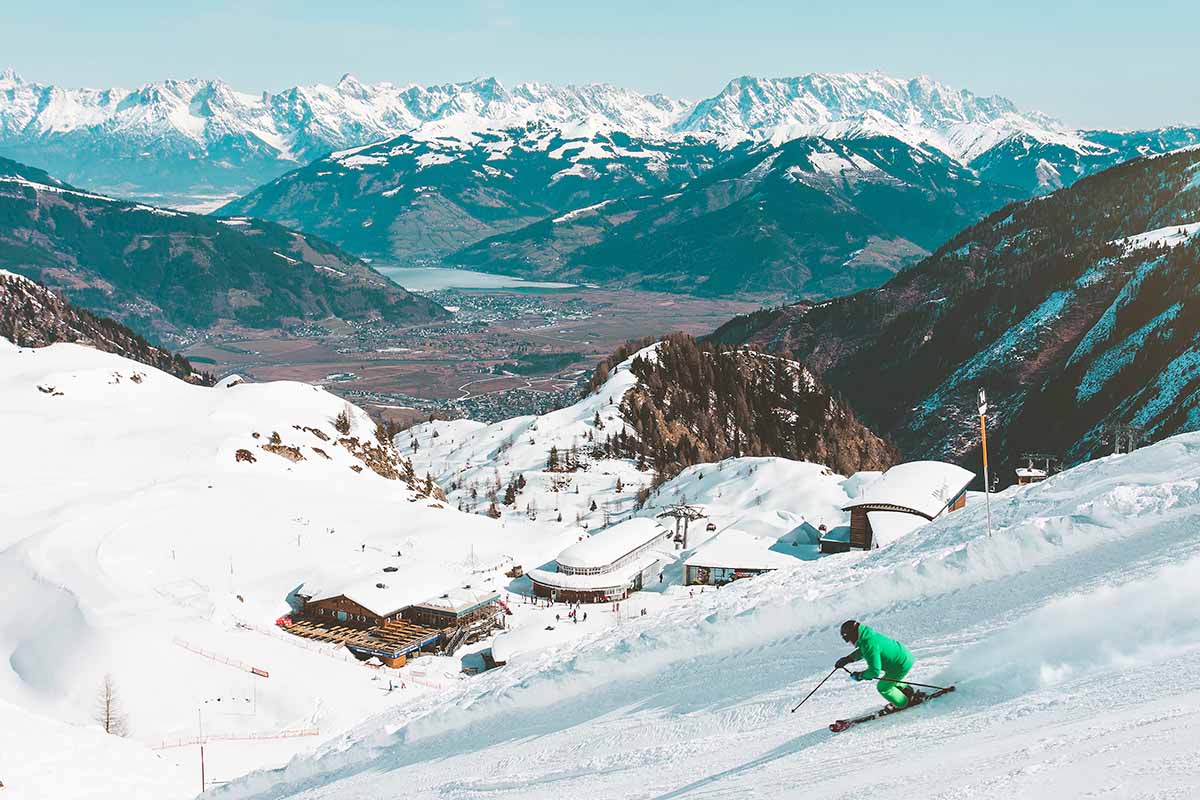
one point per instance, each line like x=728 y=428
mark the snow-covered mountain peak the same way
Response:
x=854 y=104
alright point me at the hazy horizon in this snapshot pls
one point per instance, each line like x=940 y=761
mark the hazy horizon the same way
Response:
x=1089 y=65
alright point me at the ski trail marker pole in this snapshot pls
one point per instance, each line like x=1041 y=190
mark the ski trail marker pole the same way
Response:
x=814 y=691
x=987 y=497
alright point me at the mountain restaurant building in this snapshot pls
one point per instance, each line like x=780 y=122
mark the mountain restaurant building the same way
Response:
x=606 y=566
x=375 y=618
x=904 y=498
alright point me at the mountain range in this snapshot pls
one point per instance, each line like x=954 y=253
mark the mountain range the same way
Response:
x=804 y=187
x=1077 y=312
x=201 y=138
x=172 y=275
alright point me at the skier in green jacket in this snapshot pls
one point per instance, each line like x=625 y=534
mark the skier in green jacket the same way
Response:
x=884 y=656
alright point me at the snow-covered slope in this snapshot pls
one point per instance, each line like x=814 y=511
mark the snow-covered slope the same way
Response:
x=153 y=530
x=476 y=462
x=586 y=465
x=1070 y=633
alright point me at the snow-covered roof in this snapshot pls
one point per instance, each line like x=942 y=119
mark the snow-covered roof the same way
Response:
x=1030 y=472
x=888 y=526
x=460 y=600
x=608 y=545
x=925 y=487
x=618 y=578
x=740 y=550
x=388 y=592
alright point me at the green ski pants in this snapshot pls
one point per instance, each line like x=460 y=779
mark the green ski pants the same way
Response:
x=888 y=688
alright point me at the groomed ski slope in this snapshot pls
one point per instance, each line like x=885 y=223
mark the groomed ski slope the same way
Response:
x=1072 y=634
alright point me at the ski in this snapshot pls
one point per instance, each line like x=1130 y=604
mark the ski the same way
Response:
x=844 y=724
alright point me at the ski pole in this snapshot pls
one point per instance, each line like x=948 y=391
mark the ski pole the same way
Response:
x=818 y=686
x=910 y=683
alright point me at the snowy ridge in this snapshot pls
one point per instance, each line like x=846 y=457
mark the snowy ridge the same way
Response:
x=297 y=123
x=1090 y=581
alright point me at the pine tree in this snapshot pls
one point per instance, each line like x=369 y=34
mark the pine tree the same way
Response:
x=552 y=459
x=341 y=422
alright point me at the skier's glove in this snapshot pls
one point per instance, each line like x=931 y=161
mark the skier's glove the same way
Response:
x=856 y=675
x=842 y=662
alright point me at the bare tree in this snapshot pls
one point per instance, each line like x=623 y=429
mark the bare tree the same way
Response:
x=108 y=709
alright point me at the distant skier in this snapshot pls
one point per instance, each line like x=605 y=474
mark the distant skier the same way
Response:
x=884 y=656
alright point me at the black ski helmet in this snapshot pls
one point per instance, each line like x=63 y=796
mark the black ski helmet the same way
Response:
x=850 y=631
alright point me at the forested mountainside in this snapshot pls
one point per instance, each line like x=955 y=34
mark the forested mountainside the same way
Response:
x=167 y=273
x=811 y=218
x=419 y=198
x=696 y=402
x=1076 y=311
x=33 y=316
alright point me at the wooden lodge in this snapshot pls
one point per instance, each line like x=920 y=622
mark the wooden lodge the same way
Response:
x=903 y=499
x=393 y=634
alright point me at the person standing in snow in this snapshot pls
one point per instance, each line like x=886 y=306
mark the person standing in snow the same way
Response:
x=884 y=656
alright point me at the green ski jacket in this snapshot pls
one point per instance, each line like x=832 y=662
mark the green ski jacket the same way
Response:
x=882 y=654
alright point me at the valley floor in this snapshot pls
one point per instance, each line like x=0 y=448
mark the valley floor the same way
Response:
x=472 y=360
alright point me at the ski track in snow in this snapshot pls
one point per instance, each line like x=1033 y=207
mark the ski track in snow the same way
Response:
x=1058 y=631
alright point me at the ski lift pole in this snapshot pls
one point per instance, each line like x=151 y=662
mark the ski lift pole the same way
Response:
x=987 y=496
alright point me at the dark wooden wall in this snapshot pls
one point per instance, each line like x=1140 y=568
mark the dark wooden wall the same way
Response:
x=860 y=529
x=357 y=616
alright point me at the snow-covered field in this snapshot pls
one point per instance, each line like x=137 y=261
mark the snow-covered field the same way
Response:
x=1071 y=633
x=132 y=537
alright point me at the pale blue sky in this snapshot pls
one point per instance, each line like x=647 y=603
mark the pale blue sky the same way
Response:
x=1090 y=64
